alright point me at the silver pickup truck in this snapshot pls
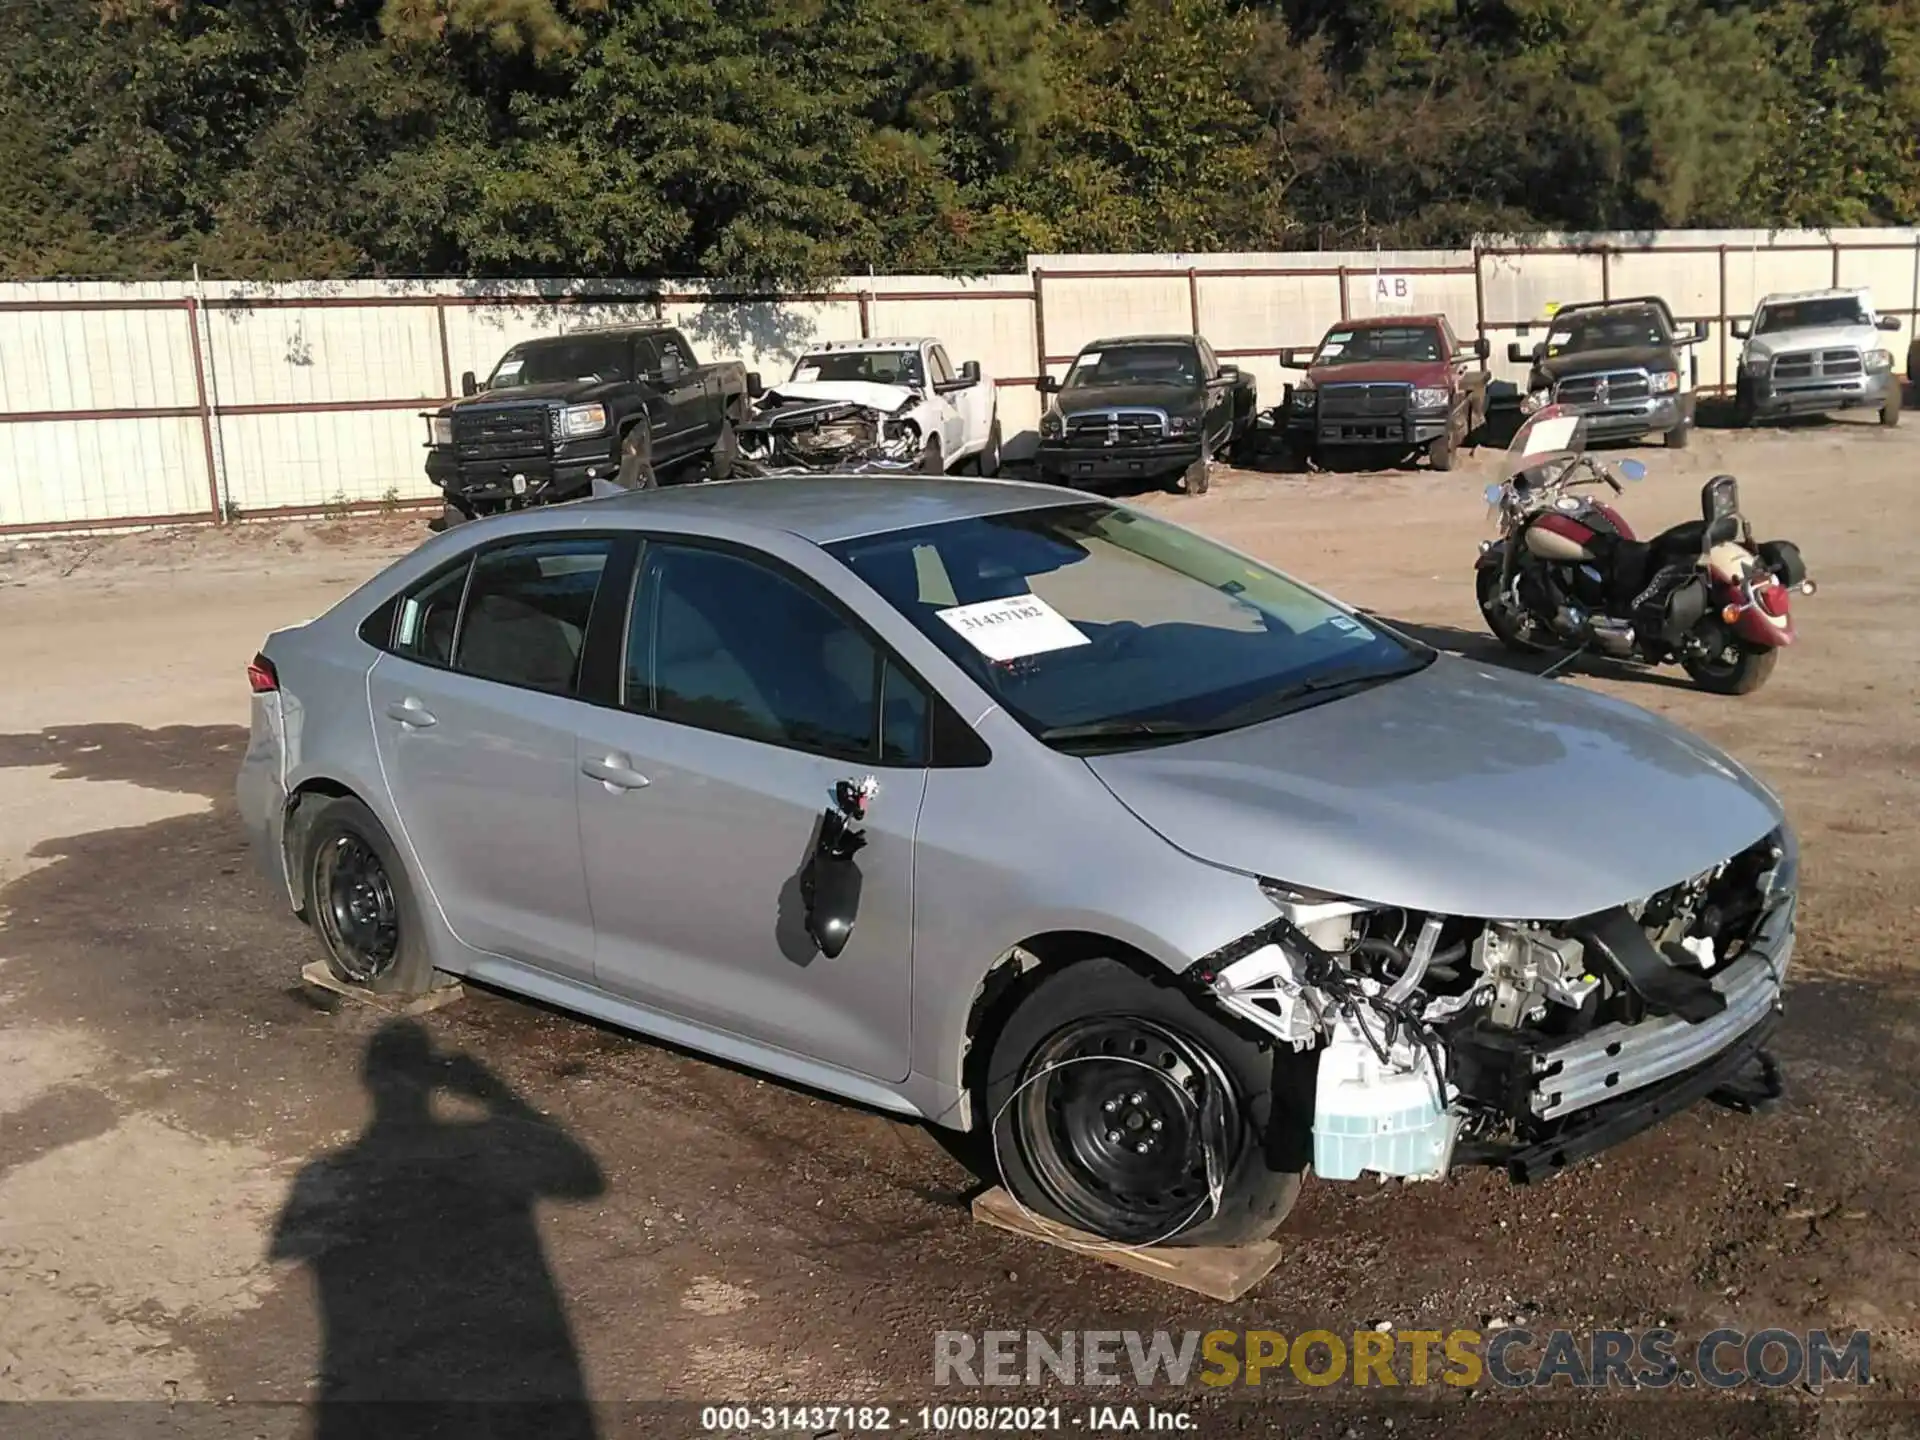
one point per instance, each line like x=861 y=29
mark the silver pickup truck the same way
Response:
x=1815 y=352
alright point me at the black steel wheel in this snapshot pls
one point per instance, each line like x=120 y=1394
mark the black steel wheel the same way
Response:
x=1730 y=666
x=1515 y=629
x=1121 y=1107
x=359 y=899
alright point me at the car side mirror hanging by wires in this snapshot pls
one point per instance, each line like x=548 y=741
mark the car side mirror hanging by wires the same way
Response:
x=830 y=883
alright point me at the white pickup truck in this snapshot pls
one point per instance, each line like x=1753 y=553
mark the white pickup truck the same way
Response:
x=876 y=405
x=1813 y=352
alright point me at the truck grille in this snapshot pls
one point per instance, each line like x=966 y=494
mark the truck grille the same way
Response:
x=1817 y=365
x=1613 y=387
x=1342 y=400
x=1116 y=427
x=521 y=432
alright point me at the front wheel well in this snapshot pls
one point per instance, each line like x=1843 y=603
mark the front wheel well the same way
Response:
x=1012 y=977
x=301 y=804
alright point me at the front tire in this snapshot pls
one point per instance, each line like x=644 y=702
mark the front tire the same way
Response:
x=1676 y=438
x=725 y=453
x=988 y=463
x=360 y=901
x=1104 y=1092
x=1735 y=669
x=1512 y=631
x=1197 y=478
x=932 y=460
x=1440 y=452
x=636 y=461
x=1890 y=412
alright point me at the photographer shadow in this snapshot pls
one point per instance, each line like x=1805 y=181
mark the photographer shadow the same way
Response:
x=438 y=1312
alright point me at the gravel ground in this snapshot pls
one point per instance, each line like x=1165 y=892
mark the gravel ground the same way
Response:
x=199 y=1203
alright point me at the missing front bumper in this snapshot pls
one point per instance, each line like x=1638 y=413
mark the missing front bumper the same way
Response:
x=1604 y=1126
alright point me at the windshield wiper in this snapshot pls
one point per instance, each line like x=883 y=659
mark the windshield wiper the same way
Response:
x=1276 y=702
x=1128 y=729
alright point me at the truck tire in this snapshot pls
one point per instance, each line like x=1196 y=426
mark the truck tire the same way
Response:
x=1890 y=412
x=988 y=461
x=1677 y=437
x=1197 y=478
x=726 y=450
x=636 y=461
x=1440 y=451
x=1743 y=407
x=1150 y=1056
x=932 y=460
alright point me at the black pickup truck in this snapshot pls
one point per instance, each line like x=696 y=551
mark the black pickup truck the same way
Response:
x=562 y=417
x=1143 y=407
x=1620 y=363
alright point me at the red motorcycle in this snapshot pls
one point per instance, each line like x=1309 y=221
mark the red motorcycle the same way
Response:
x=1569 y=573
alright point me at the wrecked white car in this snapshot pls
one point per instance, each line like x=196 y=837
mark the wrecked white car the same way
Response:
x=856 y=405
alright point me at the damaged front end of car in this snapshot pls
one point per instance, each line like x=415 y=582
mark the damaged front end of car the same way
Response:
x=1447 y=1041
x=788 y=436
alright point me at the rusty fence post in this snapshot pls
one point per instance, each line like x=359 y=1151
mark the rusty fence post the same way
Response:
x=203 y=402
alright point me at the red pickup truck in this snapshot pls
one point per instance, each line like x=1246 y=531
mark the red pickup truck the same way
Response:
x=1394 y=384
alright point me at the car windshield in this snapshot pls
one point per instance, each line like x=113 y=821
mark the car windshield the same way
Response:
x=1606 y=330
x=877 y=367
x=1172 y=364
x=1806 y=314
x=1347 y=346
x=1099 y=628
x=600 y=357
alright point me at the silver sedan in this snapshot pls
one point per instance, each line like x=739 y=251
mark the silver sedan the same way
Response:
x=1027 y=813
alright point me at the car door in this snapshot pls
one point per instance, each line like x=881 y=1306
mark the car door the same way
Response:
x=953 y=421
x=474 y=711
x=693 y=391
x=747 y=696
x=1219 y=396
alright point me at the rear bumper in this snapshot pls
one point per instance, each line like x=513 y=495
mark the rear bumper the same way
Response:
x=260 y=792
x=1069 y=464
x=1813 y=397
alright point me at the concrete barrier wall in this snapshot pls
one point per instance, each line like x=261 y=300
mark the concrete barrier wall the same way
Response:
x=165 y=402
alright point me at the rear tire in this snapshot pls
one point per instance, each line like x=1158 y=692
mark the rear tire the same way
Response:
x=1054 y=1130
x=360 y=901
x=1737 y=670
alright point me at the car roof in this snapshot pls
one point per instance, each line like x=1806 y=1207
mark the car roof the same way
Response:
x=594 y=332
x=1112 y=341
x=1382 y=322
x=1788 y=297
x=817 y=508
x=898 y=342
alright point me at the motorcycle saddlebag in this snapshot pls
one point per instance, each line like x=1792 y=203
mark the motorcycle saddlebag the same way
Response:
x=1782 y=557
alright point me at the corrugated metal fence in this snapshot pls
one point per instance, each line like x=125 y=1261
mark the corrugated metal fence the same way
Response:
x=164 y=403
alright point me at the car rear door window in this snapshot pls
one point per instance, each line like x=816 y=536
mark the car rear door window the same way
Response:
x=525 y=618
x=728 y=643
x=429 y=617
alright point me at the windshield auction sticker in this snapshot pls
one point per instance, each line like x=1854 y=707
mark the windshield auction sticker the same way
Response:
x=1013 y=628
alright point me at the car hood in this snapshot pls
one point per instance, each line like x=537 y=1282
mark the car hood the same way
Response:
x=1380 y=372
x=1462 y=790
x=1628 y=357
x=1817 y=337
x=884 y=398
x=544 y=393
x=1174 y=399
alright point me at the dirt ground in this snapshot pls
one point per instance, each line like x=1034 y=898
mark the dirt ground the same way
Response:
x=197 y=1203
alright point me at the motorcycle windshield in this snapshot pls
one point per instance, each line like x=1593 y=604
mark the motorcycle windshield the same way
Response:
x=1549 y=434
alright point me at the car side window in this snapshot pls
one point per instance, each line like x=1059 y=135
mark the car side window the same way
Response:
x=942 y=371
x=646 y=356
x=430 y=616
x=670 y=346
x=1209 y=362
x=727 y=643
x=526 y=613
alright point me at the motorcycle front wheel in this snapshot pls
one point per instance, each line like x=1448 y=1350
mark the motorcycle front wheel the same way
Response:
x=1515 y=630
x=1733 y=669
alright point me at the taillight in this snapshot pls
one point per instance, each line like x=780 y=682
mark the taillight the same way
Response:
x=262 y=678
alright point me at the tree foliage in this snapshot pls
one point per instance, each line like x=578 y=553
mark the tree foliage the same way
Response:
x=766 y=141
